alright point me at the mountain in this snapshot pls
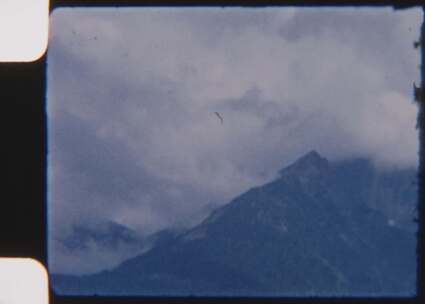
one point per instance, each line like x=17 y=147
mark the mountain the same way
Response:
x=104 y=244
x=319 y=229
x=106 y=234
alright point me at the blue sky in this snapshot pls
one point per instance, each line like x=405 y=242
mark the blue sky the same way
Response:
x=132 y=93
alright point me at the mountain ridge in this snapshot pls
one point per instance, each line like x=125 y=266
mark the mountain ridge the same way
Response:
x=309 y=232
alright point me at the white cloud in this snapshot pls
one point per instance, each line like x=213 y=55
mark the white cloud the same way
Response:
x=132 y=95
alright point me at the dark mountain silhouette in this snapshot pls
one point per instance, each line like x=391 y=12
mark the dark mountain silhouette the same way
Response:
x=106 y=234
x=320 y=229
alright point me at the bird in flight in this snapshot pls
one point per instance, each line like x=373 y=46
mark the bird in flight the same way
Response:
x=219 y=116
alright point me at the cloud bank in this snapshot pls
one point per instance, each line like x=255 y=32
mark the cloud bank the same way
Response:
x=132 y=93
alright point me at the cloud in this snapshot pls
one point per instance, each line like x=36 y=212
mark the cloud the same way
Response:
x=132 y=94
x=92 y=259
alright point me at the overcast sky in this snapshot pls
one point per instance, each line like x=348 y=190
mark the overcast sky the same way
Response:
x=132 y=93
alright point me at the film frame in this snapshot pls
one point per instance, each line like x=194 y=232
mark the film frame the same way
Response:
x=24 y=223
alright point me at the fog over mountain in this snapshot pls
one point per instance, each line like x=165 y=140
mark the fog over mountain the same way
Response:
x=320 y=228
x=136 y=149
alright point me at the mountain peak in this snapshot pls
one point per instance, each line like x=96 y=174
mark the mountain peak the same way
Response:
x=318 y=214
x=309 y=163
x=312 y=156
